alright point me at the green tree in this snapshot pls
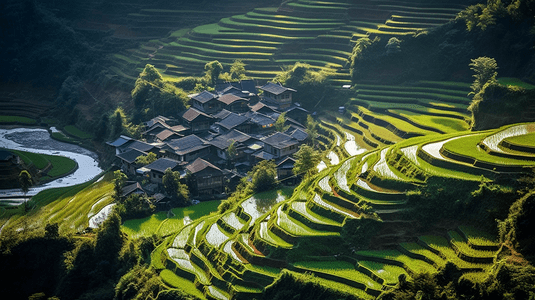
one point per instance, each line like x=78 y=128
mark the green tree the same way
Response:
x=485 y=69
x=263 y=176
x=146 y=159
x=232 y=151
x=178 y=192
x=119 y=180
x=213 y=70
x=151 y=74
x=311 y=129
x=135 y=206
x=279 y=123
x=117 y=129
x=237 y=70
x=25 y=181
x=312 y=87
x=152 y=95
x=306 y=160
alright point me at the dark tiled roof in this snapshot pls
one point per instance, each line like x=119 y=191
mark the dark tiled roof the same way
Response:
x=200 y=164
x=159 y=119
x=192 y=114
x=241 y=86
x=187 y=144
x=230 y=98
x=179 y=128
x=286 y=162
x=162 y=164
x=141 y=146
x=260 y=106
x=120 y=141
x=155 y=129
x=263 y=155
x=232 y=120
x=203 y=97
x=260 y=119
x=222 y=114
x=223 y=141
x=275 y=88
x=162 y=136
x=280 y=140
x=296 y=108
x=131 y=155
x=248 y=85
x=129 y=189
x=299 y=134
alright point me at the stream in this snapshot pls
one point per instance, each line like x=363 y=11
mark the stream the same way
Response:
x=39 y=141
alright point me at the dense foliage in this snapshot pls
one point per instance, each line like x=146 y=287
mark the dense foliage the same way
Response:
x=153 y=96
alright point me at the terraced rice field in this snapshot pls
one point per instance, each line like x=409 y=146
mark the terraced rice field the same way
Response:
x=207 y=253
x=265 y=39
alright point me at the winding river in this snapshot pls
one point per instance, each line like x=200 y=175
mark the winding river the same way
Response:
x=39 y=141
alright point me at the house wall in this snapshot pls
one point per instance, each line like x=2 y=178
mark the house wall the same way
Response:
x=209 y=183
x=289 y=150
x=129 y=169
x=200 y=126
x=193 y=155
x=156 y=177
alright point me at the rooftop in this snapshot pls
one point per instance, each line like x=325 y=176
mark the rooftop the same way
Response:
x=203 y=97
x=187 y=144
x=141 y=146
x=280 y=140
x=200 y=164
x=165 y=134
x=131 y=155
x=192 y=114
x=228 y=99
x=123 y=139
x=163 y=164
x=275 y=88
x=223 y=141
x=232 y=120
x=264 y=155
x=222 y=114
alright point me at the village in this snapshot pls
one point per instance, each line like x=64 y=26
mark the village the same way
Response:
x=214 y=143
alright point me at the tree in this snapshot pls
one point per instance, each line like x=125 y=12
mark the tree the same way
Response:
x=393 y=46
x=237 y=70
x=146 y=159
x=213 y=69
x=177 y=191
x=306 y=160
x=150 y=73
x=25 y=181
x=263 y=176
x=312 y=87
x=119 y=180
x=117 y=124
x=152 y=95
x=279 y=123
x=232 y=151
x=485 y=69
x=311 y=129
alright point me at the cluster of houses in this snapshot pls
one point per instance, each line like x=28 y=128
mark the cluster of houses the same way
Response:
x=219 y=138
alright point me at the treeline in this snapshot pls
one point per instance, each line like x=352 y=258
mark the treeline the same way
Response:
x=502 y=30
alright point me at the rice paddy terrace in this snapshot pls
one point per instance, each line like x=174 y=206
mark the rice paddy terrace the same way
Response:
x=232 y=255
x=320 y=33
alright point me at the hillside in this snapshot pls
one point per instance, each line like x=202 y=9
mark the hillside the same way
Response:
x=425 y=187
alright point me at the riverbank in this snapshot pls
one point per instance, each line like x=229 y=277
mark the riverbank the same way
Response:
x=38 y=140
